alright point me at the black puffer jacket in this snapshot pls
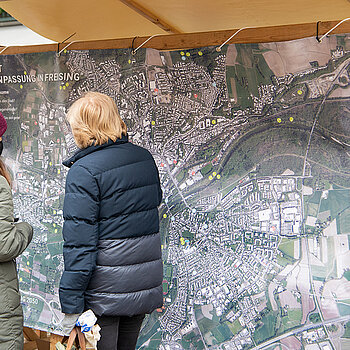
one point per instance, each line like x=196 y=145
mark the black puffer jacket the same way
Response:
x=112 y=247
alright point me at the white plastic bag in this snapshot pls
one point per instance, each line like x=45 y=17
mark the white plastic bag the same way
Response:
x=91 y=330
x=86 y=320
x=92 y=337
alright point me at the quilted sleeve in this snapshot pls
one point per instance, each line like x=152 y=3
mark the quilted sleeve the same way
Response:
x=14 y=238
x=80 y=234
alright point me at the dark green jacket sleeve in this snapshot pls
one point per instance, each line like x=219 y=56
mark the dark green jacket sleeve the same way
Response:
x=14 y=237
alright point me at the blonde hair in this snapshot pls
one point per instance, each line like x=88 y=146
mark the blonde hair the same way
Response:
x=94 y=119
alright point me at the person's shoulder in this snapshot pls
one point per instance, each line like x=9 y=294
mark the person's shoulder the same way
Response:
x=5 y=189
x=141 y=150
x=79 y=168
x=129 y=152
x=4 y=185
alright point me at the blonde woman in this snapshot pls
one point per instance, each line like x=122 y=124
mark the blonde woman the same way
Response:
x=14 y=239
x=112 y=250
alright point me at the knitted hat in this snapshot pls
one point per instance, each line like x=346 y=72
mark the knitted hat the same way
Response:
x=3 y=125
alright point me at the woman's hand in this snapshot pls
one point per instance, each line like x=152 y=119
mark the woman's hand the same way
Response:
x=68 y=323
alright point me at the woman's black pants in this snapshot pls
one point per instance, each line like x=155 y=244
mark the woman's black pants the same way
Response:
x=119 y=332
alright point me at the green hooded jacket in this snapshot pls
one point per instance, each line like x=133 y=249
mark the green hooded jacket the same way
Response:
x=14 y=239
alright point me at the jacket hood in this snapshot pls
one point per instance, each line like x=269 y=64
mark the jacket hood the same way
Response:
x=85 y=151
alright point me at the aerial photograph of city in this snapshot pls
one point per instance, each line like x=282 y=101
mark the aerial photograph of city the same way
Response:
x=252 y=144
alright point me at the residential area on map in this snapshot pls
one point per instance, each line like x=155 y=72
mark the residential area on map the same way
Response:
x=253 y=149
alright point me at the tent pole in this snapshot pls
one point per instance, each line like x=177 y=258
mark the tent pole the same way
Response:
x=150 y=16
x=185 y=41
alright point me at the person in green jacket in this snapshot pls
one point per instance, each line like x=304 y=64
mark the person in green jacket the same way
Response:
x=14 y=239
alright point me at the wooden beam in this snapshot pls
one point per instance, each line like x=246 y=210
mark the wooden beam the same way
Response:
x=31 y=345
x=150 y=16
x=54 y=338
x=39 y=340
x=195 y=40
x=43 y=344
x=30 y=334
x=43 y=335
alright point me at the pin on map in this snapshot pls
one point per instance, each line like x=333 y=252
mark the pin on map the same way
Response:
x=279 y=120
x=210 y=177
x=188 y=54
x=21 y=86
x=213 y=121
x=165 y=216
x=200 y=53
x=153 y=122
x=182 y=53
x=300 y=92
x=214 y=174
x=222 y=302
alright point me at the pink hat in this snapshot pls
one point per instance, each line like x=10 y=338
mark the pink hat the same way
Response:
x=3 y=125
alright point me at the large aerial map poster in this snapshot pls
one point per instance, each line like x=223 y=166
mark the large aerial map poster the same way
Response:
x=253 y=149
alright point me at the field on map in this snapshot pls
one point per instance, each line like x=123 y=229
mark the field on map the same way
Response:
x=252 y=146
